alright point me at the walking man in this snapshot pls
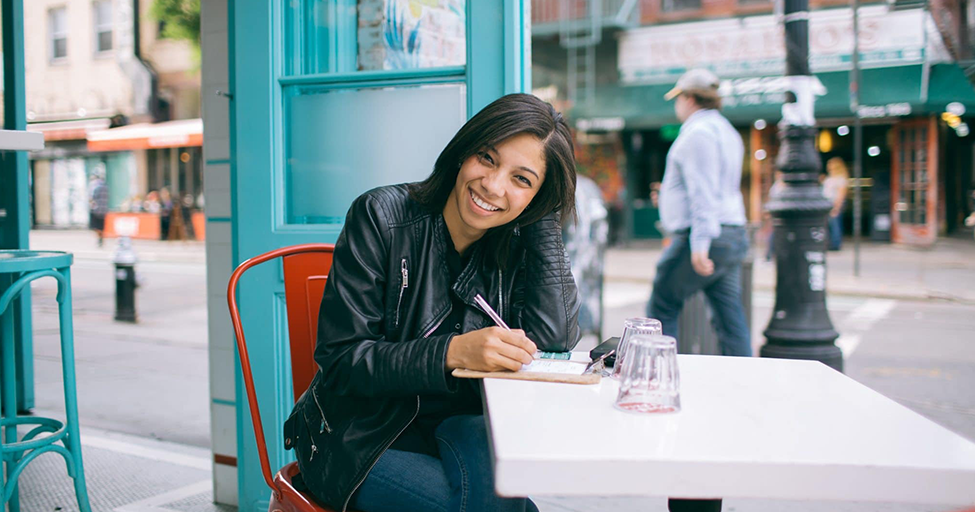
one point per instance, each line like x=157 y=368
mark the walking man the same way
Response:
x=98 y=206
x=702 y=209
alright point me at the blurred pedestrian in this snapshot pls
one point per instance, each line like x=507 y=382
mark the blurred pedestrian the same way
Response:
x=165 y=212
x=187 y=207
x=98 y=206
x=151 y=204
x=834 y=188
x=702 y=208
x=585 y=244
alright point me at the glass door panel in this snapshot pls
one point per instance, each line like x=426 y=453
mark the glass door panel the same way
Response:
x=343 y=142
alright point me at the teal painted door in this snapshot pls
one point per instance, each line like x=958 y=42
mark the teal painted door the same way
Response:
x=332 y=98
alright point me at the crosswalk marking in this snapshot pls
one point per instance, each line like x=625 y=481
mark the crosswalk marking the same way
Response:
x=861 y=320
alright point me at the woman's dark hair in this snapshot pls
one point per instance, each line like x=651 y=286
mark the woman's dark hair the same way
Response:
x=506 y=117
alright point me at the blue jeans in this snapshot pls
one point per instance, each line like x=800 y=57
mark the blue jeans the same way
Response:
x=462 y=480
x=835 y=231
x=676 y=280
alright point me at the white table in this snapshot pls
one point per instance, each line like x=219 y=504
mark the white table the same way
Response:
x=750 y=428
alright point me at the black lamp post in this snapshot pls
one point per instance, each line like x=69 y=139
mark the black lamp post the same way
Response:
x=800 y=327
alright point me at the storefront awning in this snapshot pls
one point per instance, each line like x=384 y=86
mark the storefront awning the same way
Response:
x=888 y=92
x=69 y=130
x=170 y=134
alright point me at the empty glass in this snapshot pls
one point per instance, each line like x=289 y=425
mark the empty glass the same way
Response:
x=649 y=379
x=631 y=326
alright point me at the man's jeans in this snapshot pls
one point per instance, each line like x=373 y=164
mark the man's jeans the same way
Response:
x=462 y=481
x=676 y=280
x=835 y=231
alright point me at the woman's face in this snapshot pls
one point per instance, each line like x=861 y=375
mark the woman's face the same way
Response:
x=832 y=167
x=496 y=184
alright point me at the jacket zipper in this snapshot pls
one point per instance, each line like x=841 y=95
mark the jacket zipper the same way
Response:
x=324 y=427
x=406 y=283
x=385 y=447
x=436 y=325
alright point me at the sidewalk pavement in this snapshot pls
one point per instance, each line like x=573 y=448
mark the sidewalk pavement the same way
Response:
x=945 y=271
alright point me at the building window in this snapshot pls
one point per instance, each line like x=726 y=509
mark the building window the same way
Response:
x=755 y=2
x=103 y=25
x=680 y=5
x=57 y=26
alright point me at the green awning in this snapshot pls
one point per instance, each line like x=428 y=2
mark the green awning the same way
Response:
x=885 y=92
x=948 y=83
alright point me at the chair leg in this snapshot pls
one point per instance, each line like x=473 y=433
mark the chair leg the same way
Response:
x=73 y=440
x=8 y=404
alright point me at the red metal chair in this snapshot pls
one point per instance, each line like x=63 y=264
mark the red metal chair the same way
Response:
x=305 y=271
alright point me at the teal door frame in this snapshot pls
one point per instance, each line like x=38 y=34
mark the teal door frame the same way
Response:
x=260 y=46
x=15 y=190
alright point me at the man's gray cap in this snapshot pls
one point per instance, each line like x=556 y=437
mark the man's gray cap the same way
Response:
x=695 y=80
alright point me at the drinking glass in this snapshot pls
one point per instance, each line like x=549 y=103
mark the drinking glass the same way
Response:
x=631 y=326
x=649 y=379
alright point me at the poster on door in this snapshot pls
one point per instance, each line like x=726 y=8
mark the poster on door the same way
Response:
x=69 y=192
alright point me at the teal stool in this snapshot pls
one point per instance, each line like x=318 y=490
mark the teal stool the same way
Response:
x=17 y=270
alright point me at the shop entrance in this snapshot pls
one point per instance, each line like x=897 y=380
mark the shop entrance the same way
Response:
x=914 y=182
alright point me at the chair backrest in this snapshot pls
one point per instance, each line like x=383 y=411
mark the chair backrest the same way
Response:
x=305 y=274
x=306 y=269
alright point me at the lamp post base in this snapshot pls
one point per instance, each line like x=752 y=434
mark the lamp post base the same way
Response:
x=830 y=355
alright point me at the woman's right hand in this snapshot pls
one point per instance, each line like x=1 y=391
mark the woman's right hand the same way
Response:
x=490 y=349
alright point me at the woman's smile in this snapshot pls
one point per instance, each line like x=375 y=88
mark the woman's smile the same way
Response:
x=483 y=206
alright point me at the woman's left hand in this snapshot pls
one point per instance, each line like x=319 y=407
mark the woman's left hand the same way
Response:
x=490 y=349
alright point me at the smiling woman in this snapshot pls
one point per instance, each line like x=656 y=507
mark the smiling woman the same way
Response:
x=385 y=426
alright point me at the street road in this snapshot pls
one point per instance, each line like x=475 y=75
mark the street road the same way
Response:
x=147 y=379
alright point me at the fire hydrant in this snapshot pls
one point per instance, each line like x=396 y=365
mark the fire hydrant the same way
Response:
x=125 y=282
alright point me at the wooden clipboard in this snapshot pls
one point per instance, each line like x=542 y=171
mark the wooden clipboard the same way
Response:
x=566 y=378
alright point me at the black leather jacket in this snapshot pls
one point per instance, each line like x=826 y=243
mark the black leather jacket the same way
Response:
x=387 y=291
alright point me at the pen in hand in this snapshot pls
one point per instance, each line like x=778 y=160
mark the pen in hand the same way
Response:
x=483 y=304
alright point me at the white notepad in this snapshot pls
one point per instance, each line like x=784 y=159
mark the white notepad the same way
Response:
x=554 y=366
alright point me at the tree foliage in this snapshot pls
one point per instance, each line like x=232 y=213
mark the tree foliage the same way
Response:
x=181 y=19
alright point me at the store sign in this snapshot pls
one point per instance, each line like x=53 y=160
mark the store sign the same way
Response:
x=765 y=90
x=888 y=110
x=608 y=124
x=755 y=45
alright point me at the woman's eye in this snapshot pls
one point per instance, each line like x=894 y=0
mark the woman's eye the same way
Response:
x=525 y=180
x=486 y=158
